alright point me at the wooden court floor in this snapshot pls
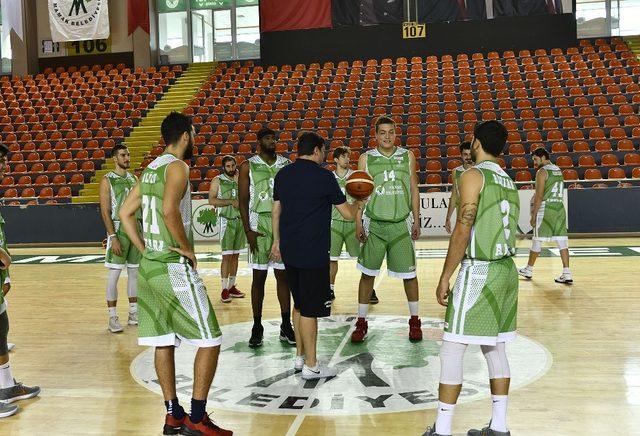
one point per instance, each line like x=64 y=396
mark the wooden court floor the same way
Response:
x=590 y=331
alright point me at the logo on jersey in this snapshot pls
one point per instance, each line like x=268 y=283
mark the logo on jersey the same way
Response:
x=380 y=190
x=386 y=373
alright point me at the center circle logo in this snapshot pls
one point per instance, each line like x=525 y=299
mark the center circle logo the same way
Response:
x=205 y=220
x=386 y=373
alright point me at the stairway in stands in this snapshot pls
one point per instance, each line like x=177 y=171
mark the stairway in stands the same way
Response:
x=146 y=135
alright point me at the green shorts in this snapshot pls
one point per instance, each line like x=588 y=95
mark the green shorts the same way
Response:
x=232 y=237
x=343 y=233
x=261 y=223
x=392 y=240
x=551 y=223
x=173 y=306
x=483 y=306
x=130 y=254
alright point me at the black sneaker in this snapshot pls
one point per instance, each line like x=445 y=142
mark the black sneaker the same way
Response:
x=374 y=298
x=287 y=335
x=18 y=392
x=256 y=336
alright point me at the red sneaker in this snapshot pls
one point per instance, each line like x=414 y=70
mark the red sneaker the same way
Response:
x=225 y=297
x=415 y=330
x=235 y=293
x=206 y=427
x=360 y=332
x=173 y=425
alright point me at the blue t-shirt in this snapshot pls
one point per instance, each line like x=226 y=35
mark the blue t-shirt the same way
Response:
x=307 y=193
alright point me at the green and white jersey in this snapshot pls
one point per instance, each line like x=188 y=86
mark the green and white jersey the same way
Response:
x=3 y=239
x=493 y=235
x=553 y=187
x=342 y=182
x=457 y=172
x=391 y=198
x=228 y=190
x=157 y=238
x=120 y=186
x=261 y=179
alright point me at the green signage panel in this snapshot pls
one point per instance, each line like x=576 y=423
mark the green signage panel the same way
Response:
x=210 y=4
x=247 y=2
x=171 y=5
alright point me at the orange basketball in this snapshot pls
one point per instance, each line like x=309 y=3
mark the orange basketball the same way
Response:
x=359 y=185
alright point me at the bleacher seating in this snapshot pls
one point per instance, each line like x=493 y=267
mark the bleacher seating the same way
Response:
x=580 y=103
x=59 y=126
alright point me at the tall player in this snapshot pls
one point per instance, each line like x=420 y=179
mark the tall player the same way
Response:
x=548 y=215
x=482 y=308
x=255 y=195
x=223 y=194
x=10 y=389
x=454 y=201
x=114 y=188
x=174 y=305
x=389 y=225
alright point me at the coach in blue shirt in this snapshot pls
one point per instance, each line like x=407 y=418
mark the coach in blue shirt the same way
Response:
x=304 y=194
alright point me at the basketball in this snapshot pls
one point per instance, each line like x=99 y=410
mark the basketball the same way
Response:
x=359 y=185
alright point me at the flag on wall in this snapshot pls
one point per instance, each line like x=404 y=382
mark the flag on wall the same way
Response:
x=294 y=14
x=366 y=12
x=78 y=20
x=138 y=14
x=11 y=14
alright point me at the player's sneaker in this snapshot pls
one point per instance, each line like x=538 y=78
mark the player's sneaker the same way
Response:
x=526 y=272
x=225 y=297
x=235 y=292
x=287 y=335
x=133 y=318
x=320 y=371
x=8 y=410
x=415 y=329
x=256 y=336
x=431 y=431
x=10 y=346
x=332 y=294
x=374 y=298
x=173 y=425
x=298 y=364
x=114 y=325
x=362 y=326
x=18 y=392
x=487 y=431
x=565 y=278
x=206 y=427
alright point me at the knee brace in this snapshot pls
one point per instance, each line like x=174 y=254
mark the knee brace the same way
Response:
x=563 y=243
x=496 y=360
x=536 y=245
x=112 y=284
x=451 y=354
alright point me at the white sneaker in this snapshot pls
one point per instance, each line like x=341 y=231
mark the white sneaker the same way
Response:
x=10 y=346
x=298 y=364
x=133 y=318
x=565 y=278
x=526 y=272
x=114 y=325
x=319 y=371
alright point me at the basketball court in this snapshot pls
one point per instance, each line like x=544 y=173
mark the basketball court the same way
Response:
x=576 y=367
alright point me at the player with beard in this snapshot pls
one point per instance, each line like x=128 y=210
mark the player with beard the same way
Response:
x=454 y=201
x=255 y=183
x=114 y=188
x=223 y=194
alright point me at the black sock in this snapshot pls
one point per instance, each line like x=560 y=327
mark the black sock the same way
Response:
x=257 y=320
x=174 y=408
x=198 y=408
x=286 y=319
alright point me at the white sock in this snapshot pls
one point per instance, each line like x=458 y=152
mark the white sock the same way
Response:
x=413 y=308
x=6 y=377
x=529 y=267
x=566 y=271
x=133 y=307
x=332 y=286
x=225 y=283
x=362 y=310
x=499 y=414
x=112 y=312
x=232 y=281
x=444 y=418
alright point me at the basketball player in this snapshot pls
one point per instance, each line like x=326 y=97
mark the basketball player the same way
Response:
x=454 y=201
x=389 y=225
x=174 y=306
x=10 y=389
x=255 y=193
x=223 y=194
x=114 y=188
x=482 y=308
x=548 y=215
x=343 y=232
